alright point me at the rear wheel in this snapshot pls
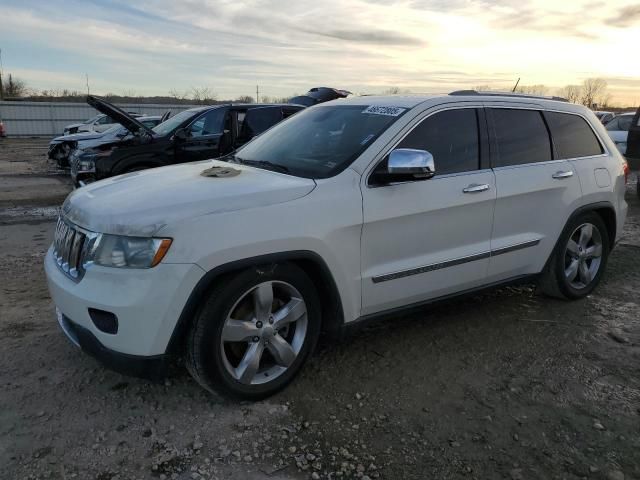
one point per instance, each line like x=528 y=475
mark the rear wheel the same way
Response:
x=579 y=258
x=254 y=332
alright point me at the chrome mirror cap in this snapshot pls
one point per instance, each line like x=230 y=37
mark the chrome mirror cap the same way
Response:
x=409 y=161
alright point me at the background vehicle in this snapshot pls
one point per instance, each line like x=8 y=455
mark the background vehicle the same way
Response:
x=319 y=95
x=348 y=211
x=60 y=148
x=100 y=123
x=618 y=130
x=605 y=117
x=194 y=134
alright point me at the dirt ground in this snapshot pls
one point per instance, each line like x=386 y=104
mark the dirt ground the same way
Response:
x=501 y=385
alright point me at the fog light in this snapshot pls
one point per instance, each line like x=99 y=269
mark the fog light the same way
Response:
x=106 y=322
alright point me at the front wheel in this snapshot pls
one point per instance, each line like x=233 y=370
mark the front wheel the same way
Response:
x=254 y=332
x=578 y=261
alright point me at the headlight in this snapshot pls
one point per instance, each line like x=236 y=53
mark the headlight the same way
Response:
x=126 y=252
x=86 y=165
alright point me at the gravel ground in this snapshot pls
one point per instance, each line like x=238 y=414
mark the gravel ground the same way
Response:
x=502 y=385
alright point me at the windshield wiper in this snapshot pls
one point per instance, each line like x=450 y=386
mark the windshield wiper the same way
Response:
x=263 y=163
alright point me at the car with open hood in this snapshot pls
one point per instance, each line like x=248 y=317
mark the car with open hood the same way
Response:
x=98 y=123
x=194 y=134
x=351 y=210
x=61 y=147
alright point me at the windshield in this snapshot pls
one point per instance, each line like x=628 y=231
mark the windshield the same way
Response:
x=94 y=119
x=174 y=122
x=321 y=141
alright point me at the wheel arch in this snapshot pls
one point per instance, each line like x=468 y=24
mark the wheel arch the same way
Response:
x=310 y=262
x=136 y=160
x=604 y=210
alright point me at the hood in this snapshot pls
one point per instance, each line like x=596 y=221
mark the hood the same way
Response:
x=77 y=137
x=141 y=203
x=120 y=116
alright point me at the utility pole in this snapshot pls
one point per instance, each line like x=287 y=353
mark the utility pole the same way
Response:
x=87 y=75
x=1 y=87
x=257 y=94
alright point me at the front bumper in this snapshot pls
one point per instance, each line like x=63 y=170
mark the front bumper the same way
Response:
x=151 y=367
x=146 y=302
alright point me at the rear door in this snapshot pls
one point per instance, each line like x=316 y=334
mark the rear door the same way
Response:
x=204 y=137
x=633 y=140
x=257 y=120
x=537 y=191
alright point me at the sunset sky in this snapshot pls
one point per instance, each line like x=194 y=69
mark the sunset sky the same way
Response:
x=365 y=46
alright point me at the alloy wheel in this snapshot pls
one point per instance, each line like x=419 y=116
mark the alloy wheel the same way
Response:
x=583 y=256
x=264 y=332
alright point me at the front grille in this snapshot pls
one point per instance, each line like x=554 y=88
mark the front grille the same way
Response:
x=69 y=246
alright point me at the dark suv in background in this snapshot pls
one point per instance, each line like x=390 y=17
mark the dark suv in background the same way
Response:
x=194 y=134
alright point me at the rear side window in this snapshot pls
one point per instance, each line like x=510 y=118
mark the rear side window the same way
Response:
x=521 y=137
x=572 y=135
x=257 y=120
x=451 y=137
x=624 y=123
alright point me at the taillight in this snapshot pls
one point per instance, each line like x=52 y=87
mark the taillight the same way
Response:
x=626 y=170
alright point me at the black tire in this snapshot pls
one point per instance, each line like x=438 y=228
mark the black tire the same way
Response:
x=204 y=351
x=553 y=281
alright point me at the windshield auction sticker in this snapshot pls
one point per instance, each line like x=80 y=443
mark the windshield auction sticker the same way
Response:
x=380 y=110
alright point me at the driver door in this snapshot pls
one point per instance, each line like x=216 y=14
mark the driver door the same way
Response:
x=204 y=137
x=424 y=239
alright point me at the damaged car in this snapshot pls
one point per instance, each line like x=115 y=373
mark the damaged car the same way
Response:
x=319 y=95
x=60 y=148
x=100 y=123
x=195 y=134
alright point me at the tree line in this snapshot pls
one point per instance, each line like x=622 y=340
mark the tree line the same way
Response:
x=592 y=92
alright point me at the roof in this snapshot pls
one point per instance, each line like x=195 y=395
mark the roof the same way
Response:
x=406 y=101
x=410 y=101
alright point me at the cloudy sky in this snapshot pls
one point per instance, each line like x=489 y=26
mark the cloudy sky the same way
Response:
x=366 y=46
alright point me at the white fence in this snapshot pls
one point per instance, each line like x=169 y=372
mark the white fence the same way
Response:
x=48 y=119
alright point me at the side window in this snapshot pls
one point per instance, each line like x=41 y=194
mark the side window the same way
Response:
x=624 y=122
x=572 y=135
x=451 y=137
x=613 y=125
x=208 y=124
x=257 y=120
x=521 y=137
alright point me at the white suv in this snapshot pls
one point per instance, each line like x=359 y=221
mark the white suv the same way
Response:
x=347 y=211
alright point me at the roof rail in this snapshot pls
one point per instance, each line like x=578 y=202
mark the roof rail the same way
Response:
x=505 y=94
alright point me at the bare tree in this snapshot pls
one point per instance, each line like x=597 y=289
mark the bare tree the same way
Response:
x=396 y=91
x=533 y=89
x=245 y=99
x=174 y=93
x=14 y=87
x=203 y=95
x=594 y=90
x=573 y=93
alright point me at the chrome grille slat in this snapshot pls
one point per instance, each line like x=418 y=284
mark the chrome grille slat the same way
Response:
x=68 y=246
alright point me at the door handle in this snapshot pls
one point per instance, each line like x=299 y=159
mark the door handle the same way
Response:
x=560 y=175
x=476 y=188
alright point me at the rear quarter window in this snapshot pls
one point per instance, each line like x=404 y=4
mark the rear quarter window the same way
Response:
x=572 y=136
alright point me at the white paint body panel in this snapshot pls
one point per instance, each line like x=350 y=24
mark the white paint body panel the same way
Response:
x=359 y=232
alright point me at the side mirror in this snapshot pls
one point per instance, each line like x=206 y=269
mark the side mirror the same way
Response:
x=408 y=161
x=180 y=134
